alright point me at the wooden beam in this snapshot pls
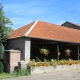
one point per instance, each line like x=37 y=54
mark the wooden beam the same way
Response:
x=57 y=51
x=78 y=53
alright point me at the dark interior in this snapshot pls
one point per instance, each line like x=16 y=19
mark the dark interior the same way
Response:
x=36 y=44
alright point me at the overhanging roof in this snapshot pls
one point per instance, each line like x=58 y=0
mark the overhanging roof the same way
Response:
x=45 y=30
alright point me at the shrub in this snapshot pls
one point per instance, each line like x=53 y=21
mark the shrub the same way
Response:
x=23 y=72
x=1 y=67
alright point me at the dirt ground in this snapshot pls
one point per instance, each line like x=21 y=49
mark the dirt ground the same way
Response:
x=59 y=75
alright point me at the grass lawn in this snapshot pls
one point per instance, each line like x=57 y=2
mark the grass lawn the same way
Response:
x=23 y=72
x=6 y=75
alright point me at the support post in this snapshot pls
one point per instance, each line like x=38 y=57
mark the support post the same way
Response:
x=78 y=52
x=57 y=51
x=27 y=49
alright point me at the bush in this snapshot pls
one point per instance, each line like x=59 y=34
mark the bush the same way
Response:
x=1 y=67
x=23 y=72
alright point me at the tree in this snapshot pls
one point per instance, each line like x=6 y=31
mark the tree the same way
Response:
x=4 y=21
x=9 y=29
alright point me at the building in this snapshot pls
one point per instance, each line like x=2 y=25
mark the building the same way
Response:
x=38 y=34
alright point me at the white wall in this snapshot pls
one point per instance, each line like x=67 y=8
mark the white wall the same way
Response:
x=27 y=49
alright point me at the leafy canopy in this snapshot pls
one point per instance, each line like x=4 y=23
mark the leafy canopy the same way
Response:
x=4 y=30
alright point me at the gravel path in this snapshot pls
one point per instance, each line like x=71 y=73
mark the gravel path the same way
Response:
x=60 y=75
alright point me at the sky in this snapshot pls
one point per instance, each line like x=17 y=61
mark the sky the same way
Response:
x=23 y=12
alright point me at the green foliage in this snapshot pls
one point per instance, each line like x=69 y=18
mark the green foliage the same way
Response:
x=1 y=50
x=38 y=60
x=17 y=73
x=23 y=72
x=4 y=30
x=1 y=67
x=9 y=29
x=44 y=51
x=67 y=50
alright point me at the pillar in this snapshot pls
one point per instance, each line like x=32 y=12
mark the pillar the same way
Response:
x=78 y=52
x=57 y=51
x=27 y=49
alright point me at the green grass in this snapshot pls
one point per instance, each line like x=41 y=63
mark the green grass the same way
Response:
x=6 y=75
x=23 y=72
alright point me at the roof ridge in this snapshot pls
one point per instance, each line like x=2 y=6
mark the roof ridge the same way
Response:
x=31 y=28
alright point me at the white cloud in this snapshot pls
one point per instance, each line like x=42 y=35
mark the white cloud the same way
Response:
x=26 y=8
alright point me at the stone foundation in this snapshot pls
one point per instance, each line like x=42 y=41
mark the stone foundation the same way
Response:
x=45 y=69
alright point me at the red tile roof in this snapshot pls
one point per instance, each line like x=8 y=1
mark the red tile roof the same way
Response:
x=49 y=31
x=20 y=32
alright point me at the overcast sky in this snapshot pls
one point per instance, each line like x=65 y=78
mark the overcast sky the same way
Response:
x=22 y=12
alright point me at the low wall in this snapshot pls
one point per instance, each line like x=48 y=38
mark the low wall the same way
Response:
x=45 y=69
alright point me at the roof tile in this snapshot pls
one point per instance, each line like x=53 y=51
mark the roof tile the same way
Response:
x=48 y=31
x=20 y=32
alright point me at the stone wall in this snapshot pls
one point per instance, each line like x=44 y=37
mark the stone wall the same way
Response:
x=16 y=44
x=47 y=69
x=22 y=44
x=22 y=65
